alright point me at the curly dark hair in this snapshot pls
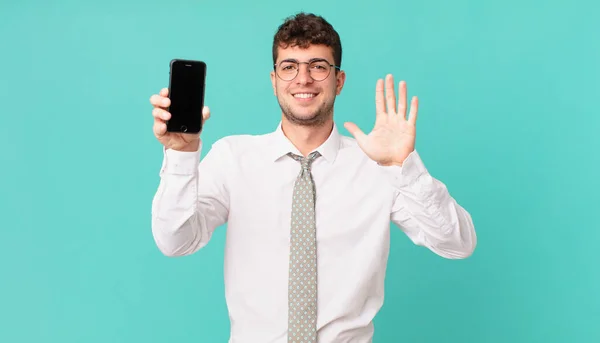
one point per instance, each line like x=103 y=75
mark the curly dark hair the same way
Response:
x=304 y=29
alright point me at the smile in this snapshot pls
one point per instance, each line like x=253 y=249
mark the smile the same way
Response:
x=304 y=95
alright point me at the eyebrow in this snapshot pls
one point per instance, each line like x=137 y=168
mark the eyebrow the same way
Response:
x=314 y=59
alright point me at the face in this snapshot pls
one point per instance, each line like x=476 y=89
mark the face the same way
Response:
x=304 y=101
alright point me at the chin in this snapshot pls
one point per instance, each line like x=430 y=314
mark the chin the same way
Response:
x=306 y=119
x=313 y=115
x=304 y=114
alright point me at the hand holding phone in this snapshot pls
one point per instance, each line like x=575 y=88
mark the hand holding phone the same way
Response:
x=179 y=111
x=187 y=81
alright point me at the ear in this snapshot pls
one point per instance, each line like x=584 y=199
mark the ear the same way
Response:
x=273 y=82
x=340 y=80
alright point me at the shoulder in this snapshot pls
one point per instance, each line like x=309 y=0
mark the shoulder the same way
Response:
x=240 y=144
x=349 y=147
x=348 y=142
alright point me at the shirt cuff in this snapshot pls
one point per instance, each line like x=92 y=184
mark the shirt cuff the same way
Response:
x=180 y=162
x=410 y=171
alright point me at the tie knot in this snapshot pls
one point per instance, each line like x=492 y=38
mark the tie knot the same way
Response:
x=305 y=161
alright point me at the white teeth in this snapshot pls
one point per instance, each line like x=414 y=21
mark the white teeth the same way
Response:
x=304 y=95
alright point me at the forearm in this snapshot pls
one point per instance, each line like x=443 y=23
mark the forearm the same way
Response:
x=430 y=216
x=176 y=226
x=184 y=213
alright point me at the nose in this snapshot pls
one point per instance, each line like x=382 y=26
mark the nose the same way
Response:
x=303 y=76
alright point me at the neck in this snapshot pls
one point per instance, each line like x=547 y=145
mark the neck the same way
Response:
x=306 y=138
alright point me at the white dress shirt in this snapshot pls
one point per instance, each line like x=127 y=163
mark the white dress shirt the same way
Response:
x=246 y=182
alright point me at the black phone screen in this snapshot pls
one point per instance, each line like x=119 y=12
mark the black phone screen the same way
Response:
x=186 y=92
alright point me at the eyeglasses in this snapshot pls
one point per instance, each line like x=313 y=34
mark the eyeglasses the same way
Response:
x=318 y=69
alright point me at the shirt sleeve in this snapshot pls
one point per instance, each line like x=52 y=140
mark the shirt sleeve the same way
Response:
x=192 y=199
x=424 y=209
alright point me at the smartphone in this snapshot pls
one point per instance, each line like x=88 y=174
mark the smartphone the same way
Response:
x=187 y=81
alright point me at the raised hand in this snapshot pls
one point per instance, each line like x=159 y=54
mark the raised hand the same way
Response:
x=172 y=140
x=393 y=136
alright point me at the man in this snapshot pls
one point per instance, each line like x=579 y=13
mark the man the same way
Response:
x=308 y=210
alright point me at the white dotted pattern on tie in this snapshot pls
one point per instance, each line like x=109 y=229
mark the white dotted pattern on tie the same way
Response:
x=302 y=291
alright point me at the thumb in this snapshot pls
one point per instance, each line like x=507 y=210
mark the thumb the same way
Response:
x=355 y=131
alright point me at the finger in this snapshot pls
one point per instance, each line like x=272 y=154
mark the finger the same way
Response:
x=390 y=95
x=402 y=99
x=164 y=92
x=161 y=114
x=160 y=101
x=205 y=113
x=355 y=131
x=379 y=98
x=414 y=109
x=159 y=128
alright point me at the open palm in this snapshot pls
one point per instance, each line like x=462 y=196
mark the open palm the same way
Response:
x=393 y=136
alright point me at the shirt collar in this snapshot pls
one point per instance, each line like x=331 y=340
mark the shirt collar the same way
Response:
x=280 y=145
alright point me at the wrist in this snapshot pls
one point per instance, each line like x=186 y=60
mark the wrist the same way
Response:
x=390 y=164
x=188 y=147
x=399 y=160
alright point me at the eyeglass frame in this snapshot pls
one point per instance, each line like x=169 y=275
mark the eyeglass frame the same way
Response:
x=312 y=60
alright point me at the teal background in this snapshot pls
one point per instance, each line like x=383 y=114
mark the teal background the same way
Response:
x=508 y=120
